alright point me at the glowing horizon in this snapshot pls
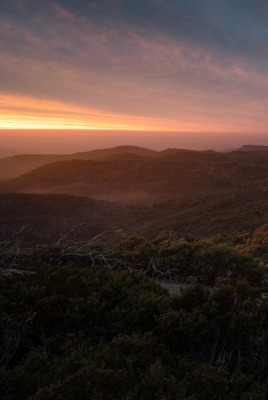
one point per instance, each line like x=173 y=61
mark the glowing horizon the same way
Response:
x=18 y=112
x=156 y=66
x=29 y=113
x=36 y=114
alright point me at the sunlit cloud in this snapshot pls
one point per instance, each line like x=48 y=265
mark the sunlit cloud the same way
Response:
x=28 y=113
x=145 y=66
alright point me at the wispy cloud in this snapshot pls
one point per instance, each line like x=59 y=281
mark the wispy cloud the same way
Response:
x=180 y=65
x=16 y=112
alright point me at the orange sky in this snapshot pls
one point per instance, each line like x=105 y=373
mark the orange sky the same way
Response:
x=29 y=113
x=19 y=112
x=148 y=66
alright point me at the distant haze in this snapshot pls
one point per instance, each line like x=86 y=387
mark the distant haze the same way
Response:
x=69 y=141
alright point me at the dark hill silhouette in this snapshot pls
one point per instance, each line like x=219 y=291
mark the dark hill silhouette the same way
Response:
x=14 y=166
x=253 y=147
x=104 y=153
x=11 y=167
x=49 y=216
x=175 y=151
x=178 y=175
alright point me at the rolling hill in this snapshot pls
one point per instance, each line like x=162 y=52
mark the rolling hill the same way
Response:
x=16 y=165
x=48 y=217
x=253 y=147
x=183 y=191
x=11 y=167
x=179 y=175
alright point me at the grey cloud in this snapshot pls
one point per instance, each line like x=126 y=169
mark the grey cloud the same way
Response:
x=137 y=56
x=230 y=28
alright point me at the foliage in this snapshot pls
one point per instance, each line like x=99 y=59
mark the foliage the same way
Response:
x=68 y=333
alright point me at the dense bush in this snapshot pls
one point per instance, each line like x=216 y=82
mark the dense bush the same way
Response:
x=71 y=333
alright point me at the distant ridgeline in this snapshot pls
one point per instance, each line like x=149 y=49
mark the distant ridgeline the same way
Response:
x=137 y=190
x=11 y=167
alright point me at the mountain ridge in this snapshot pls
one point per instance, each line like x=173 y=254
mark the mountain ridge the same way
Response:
x=144 y=179
x=13 y=166
x=252 y=147
x=16 y=165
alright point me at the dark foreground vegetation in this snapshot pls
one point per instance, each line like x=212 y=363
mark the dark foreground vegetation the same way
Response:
x=92 y=323
x=83 y=311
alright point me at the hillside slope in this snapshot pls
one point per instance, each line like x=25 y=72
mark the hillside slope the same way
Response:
x=136 y=179
x=11 y=167
x=49 y=216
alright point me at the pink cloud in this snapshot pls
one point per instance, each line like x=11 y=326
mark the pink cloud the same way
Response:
x=132 y=74
x=62 y=12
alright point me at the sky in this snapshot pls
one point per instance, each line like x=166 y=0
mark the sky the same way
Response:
x=161 y=73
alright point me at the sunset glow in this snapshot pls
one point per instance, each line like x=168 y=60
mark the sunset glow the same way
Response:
x=155 y=66
x=27 y=113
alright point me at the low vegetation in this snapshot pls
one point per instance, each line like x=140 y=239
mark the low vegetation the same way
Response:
x=91 y=323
